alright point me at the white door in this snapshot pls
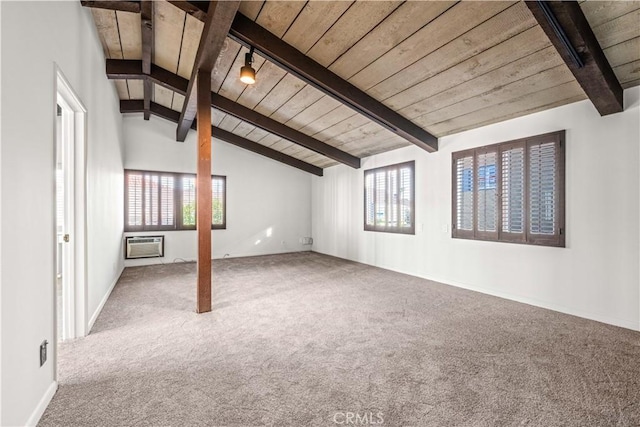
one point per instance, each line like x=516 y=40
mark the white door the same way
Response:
x=70 y=216
x=65 y=220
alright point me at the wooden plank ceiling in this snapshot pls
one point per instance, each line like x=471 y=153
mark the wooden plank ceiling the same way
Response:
x=447 y=66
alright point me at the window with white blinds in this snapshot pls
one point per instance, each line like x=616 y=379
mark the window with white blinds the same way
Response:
x=188 y=202
x=167 y=201
x=464 y=192
x=511 y=192
x=218 y=187
x=389 y=199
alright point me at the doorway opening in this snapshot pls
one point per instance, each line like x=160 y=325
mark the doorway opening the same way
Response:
x=70 y=310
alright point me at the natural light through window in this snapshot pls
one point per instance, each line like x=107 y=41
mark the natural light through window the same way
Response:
x=167 y=201
x=389 y=199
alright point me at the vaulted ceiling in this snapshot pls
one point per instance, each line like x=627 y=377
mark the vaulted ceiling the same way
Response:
x=442 y=66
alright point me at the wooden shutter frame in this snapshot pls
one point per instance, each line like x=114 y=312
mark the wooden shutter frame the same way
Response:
x=484 y=235
x=504 y=236
x=555 y=240
x=455 y=231
x=222 y=226
x=386 y=229
x=177 y=202
x=127 y=227
x=180 y=207
x=161 y=227
x=558 y=238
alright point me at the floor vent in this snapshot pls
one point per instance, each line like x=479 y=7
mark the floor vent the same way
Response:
x=144 y=247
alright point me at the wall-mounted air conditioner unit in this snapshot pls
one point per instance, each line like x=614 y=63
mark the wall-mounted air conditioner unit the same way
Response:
x=144 y=247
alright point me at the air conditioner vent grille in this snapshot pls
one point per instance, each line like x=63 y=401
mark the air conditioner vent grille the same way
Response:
x=144 y=247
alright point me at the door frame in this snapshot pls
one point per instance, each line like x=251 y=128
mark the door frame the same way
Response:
x=64 y=91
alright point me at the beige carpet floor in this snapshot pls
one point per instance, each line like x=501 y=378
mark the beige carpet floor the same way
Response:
x=307 y=339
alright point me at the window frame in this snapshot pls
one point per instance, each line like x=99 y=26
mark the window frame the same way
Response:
x=222 y=226
x=526 y=237
x=386 y=229
x=178 y=201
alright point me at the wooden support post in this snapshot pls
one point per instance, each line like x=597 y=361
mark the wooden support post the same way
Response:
x=203 y=186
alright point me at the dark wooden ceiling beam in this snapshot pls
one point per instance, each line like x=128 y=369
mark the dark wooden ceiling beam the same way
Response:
x=216 y=27
x=270 y=125
x=131 y=70
x=248 y=33
x=570 y=33
x=241 y=142
x=137 y=106
x=122 y=6
x=133 y=106
x=124 y=69
x=197 y=9
x=146 y=26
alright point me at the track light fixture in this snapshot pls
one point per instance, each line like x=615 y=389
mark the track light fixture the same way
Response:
x=247 y=73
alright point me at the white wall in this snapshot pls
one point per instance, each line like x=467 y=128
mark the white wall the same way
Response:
x=268 y=203
x=35 y=35
x=596 y=276
x=0 y=219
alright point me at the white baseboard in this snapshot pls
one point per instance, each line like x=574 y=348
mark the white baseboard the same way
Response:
x=253 y=254
x=42 y=405
x=103 y=302
x=143 y=262
x=598 y=317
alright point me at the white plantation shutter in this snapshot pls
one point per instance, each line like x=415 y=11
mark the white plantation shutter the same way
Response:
x=189 y=201
x=388 y=198
x=167 y=201
x=369 y=200
x=134 y=200
x=487 y=192
x=464 y=189
x=393 y=206
x=512 y=183
x=545 y=169
x=167 y=208
x=406 y=197
x=542 y=188
x=218 y=184
x=381 y=199
x=151 y=201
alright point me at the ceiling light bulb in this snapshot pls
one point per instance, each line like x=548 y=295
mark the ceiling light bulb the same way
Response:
x=247 y=73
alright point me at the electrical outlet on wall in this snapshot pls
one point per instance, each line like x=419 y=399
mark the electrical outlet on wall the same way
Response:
x=43 y=352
